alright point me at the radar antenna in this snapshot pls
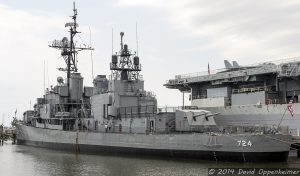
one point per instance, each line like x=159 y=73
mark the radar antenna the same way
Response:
x=125 y=65
x=68 y=49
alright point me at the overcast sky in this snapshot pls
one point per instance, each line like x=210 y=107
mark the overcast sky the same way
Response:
x=175 y=37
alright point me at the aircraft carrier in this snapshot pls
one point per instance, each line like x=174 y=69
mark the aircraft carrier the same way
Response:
x=118 y=115
x=260 y=94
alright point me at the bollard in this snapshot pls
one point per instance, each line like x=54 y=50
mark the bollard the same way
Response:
x=14 y=138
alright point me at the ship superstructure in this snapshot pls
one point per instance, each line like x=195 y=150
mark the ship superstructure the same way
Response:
x=118 y=115
x=256 y=94
x=65 y=106
x=123 y=105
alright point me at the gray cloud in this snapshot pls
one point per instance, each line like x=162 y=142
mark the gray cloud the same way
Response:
x=241 y=29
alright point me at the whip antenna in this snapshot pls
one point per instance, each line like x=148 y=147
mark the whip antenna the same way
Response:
x=47 y=64
x=91 y=54
x=136 y=37
x=112 y=41
x=44 y=76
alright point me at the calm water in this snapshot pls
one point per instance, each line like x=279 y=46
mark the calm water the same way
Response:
x=19 y=160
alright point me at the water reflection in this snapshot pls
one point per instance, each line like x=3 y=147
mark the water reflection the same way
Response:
x=31 y=161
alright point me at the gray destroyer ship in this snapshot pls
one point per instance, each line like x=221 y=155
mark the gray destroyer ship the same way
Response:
x=117 y=115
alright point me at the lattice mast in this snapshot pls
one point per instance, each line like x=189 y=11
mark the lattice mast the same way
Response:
x=125 y=65
x=68 y=49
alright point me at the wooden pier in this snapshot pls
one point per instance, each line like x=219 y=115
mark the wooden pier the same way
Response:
x=7 y=134
x=296 y=144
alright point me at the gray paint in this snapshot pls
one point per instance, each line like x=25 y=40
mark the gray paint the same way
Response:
x=248 y=98
x=165 y=122
x=76 y=86
x=270 y=115
x=218 y=92
x=192 y=141
x=63 y=91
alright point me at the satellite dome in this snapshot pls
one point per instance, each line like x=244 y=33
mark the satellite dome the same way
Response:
x=60 y=80
x=64 y=39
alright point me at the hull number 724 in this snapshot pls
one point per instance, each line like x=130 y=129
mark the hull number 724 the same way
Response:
x=244 y=143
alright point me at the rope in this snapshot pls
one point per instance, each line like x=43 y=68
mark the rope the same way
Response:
x=282 y=117
x=285 y=142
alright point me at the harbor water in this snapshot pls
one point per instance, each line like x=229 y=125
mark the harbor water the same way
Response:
x=32 y=161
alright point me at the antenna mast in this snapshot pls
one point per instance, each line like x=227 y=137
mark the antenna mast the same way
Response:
x=91 y=54
x=68 y=48
x=125 y=65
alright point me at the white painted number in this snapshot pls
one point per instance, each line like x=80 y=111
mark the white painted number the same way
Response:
x=243 y=143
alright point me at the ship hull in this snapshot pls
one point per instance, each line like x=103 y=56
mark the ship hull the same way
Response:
x=273 y=114
x=199 y=146
x=203 y=155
